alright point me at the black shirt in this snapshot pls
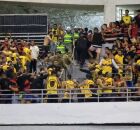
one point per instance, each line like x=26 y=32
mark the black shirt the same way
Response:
x=137 y=19
x=82 y=43
x=97 y=39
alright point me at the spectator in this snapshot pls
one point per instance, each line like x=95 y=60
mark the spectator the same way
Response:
x=127 y=18
x=137 y=19
x=55 y=33
x=68 y=39
x=34 y=56
x=82 y=45
x=97 y=42
x=47 y=41
x=133 y=32
x=52 y=85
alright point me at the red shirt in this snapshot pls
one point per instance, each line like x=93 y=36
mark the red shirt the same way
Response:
x=134 y=31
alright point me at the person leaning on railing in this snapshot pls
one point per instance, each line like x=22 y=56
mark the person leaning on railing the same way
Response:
x=108 y=86
x=69 y=87
x=52 y=84
x=120 y=87
x=87 y=89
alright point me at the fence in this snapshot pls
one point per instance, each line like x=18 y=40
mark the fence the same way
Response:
x=72 y=95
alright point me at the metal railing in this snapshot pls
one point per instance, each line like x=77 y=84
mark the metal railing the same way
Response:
x=71 y=95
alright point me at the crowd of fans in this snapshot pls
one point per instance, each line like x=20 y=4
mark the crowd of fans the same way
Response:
x=107 y=75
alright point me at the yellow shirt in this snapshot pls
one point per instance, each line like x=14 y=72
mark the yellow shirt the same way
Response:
x=52 y=89
x=85 y=88
x=69 y=84
x=8 y=59
x=23 y=61
x=119 y=59
x=27 y=51
x=66 y=95
x=106 y=66
x=55 y=38
x=108 y=82
x=138 y=62
x=5 y=68
x=15 y=56
x=127 y=19
x=97 y=68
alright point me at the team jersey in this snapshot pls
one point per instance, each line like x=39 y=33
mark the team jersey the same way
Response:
x=108 y=82
x=85 y=88
x=23 y=61
x=52 y=85
x=119 y=59
x=99 y=84
x=8 y=59
x=55 y=35
x=66 y=95
x=69 y=84
x=15 y=56
x=127 y=19
x=106 y=66
x=27 y=51
x=138 y=62
x=5 y=68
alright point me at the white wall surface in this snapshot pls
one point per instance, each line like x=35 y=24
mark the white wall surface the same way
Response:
x=76 y=113
x=79 y=2
x=82 y=2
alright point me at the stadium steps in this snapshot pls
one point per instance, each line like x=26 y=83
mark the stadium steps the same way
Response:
x=37 y=37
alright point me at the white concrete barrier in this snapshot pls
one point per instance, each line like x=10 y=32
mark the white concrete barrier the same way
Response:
x=71 y=113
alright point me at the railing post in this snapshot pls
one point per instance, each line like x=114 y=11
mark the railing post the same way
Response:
x=28 y=37
x=127 y=95
x=14 y=98
x=70 y=96
x=42 y=94
x=98 y=97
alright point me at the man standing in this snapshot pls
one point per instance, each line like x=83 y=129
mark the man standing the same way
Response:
x=34 y=56
x=55 y=33
x=137 y=19
x=68 y=39
x=97 y=42
x=127 y=18
x=81 y=48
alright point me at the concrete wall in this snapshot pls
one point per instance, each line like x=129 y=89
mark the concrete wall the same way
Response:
x=82 y=2
x=67 y=15
x=109 y=5
x=71 y=113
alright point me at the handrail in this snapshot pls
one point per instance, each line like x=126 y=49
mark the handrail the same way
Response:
x=123 y=93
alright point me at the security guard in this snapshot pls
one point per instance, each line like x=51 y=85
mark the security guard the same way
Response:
x=75 y=38
x=61 y=48
x=76 y=33
x=68 y=39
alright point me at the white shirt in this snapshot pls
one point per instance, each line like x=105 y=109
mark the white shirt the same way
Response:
x=34 y=52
